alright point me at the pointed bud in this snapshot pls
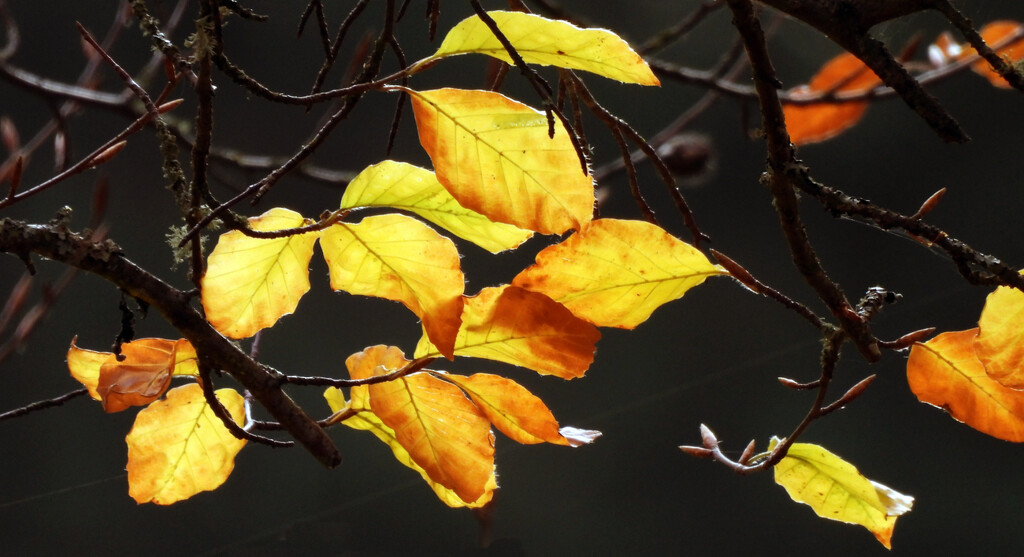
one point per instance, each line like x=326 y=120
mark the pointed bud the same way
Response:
x=9 y=135
x=107 y=154
x=747 y=452
x=738 y=272
x=929 y=204
x=699 y=452
x=708 y=437
x=908 y=339
x=169 y=106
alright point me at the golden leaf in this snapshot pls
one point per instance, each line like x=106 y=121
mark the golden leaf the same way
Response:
x=837 y=491
x=366 y=420
x=404 y=186
x=615 y=273
x=84 y=365
x=548 y=42
x=946 y=372
x=517 y=412
x=494 y=156
x=442 y=431
x=399 y=258
x=523 y=328
x=178 y=447
x=250 y=283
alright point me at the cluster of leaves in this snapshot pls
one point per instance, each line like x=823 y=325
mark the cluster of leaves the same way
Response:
x=502 y=172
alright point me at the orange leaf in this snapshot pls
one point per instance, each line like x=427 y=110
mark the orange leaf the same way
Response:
x=1000 y=342
x=444 y=432
x=399 y=258
x=811 y=123
x=615 y=273
x=138 y=379
x=516 y=412
x=494 y=156
x=523 y=328
x=365 y=420
x=84 y=366
x=995 y=33
x=946 y=372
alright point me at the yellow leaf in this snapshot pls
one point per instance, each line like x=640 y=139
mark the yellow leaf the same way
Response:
x=516 y=412
x=615 y=273
x=494 y=156
x=404 y=186
x=399 y=258
x=837 y=491
x=1000 y=341
x=366 y=420
x=84 y=365
x=946 y=372
x=814 y=122
x=550 y=43
x=442 y=431
x=250 y=283
x=523 y=328
x=178 y=447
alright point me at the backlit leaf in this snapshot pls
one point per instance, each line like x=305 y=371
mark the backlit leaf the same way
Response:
x=443 y=432
x=946 y=372
x=1000 y=341
x=399 y=258
x=615 y=273
x=250 y=283
x=523 y=328
x=516 y=412
x=494 y=156
x=84 y=365
x=837 y=491
x=995 y=33
x=404 y=186
x=814 y=122
x=368 y=421
x=548 y=42
x=140 y=378
x=178 y=447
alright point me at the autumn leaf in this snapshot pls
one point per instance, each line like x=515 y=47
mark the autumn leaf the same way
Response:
x=443 y=431
x=139 y=378
x=399 y=258
x=494 y=156
x=998 y=33
x=178 y=447
x=814 y=122
x=516 y=412
x=250 y=283
x=84 y=365
x=365 y=420
x=523 y=328
x=946 y=372
x=835 y=490
x=615 y=273
x=403 y=186
x=1000 y=341
x=550 y=43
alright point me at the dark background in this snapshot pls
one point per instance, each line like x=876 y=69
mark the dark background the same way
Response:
x=711 y=357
